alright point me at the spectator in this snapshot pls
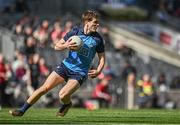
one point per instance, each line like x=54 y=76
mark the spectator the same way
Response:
x=30 y=47
x=162 y=90
x=44 y=70
x=101 y=93
x=175 y=83
x=42 y=33
x=129 y=76
x=19 y=68
x=126 y=51
x=9 y=72
x=67 y=28
x=146 y=92
x=127 y=69
x=162 y=83
x=24 y=20
x=28 y=32
x=34 y=70
x=3 y=81
x=105 y=34
x=18 y=29
x=57 y=32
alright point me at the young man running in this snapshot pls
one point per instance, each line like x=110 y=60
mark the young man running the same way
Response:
x=76 y=67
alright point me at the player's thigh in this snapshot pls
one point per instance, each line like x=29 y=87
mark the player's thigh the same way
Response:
x=71 y=86
x=53 y=80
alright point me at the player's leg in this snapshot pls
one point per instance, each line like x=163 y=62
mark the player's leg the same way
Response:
x=65 y=95
x=53 y=80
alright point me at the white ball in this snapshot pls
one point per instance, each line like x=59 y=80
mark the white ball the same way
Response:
x=77 y=40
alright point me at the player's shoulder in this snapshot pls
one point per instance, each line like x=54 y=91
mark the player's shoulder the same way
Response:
x=97 y=36
x=77 y=28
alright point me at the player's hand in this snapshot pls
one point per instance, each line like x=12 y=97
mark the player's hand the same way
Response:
x=71 y=45
x=93 y=73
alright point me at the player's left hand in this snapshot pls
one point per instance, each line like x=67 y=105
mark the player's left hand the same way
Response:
x=93 y=73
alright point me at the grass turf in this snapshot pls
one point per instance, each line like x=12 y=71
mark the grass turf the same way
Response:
x=102 y=116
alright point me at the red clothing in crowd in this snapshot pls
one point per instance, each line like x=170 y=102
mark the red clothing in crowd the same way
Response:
x=44 y=70
x=2 y=73
x=100 y=91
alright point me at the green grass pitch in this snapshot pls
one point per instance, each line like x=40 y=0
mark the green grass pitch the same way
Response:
x=101 y=116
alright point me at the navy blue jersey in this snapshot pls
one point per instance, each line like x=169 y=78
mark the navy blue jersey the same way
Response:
x=80 y=61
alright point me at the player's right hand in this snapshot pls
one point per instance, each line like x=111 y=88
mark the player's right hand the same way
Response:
x=71 y=45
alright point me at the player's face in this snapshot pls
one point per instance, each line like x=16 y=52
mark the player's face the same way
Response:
x=93 y=25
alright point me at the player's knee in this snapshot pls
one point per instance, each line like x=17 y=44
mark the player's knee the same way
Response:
x=63 y=96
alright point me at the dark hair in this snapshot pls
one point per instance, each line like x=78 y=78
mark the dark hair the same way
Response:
x=89 y=15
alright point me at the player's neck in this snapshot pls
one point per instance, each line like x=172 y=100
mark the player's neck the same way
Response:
x=86 y=31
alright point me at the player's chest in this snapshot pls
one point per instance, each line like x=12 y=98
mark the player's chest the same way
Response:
x=89 y=42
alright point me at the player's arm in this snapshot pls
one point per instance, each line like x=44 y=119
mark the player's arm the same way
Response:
x=62 y=44
x=66 y=42
x=95 y=72
x=101 y=64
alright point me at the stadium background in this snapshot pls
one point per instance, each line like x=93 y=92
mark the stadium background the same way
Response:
x=141 y=37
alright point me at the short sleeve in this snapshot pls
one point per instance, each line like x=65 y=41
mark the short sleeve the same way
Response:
x=74 y=31
x=100 y=46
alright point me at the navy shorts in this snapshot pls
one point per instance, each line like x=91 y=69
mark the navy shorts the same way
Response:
x=66 y=73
